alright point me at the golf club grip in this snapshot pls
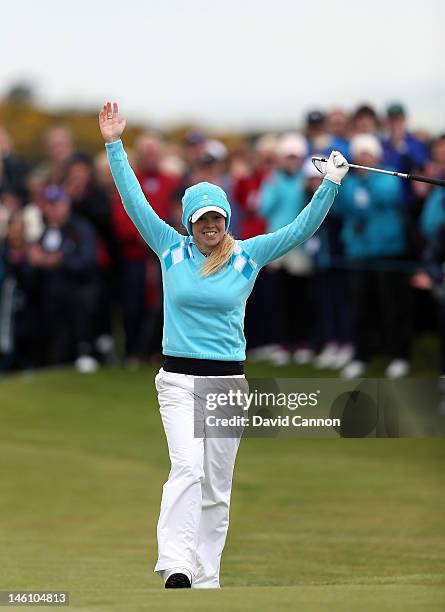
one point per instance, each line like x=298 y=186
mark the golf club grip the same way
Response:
x=425 y=179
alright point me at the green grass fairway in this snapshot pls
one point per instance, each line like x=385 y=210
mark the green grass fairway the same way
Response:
x=332 y=525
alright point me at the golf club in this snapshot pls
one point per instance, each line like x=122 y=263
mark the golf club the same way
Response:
x=319 y=161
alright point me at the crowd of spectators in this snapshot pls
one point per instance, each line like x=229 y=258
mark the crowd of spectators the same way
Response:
x=75 y=276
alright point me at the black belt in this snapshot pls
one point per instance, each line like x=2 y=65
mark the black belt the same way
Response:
x=202 y=367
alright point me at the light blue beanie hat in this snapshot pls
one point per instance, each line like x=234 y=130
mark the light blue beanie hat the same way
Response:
x=203 y=195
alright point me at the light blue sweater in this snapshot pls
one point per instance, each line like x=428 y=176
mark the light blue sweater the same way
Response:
x=204 y=316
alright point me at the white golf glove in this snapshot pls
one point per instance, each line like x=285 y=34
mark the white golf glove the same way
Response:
x=336 y=168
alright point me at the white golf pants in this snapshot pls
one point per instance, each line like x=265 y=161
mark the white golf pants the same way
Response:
x=194 y=515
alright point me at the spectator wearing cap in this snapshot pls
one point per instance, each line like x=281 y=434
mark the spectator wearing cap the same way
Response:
x=65 y=258
x=282 y=197
x=374 y=240
x=327 y=132
x=213 y=168
x=194 y=144
x=403 y=152
x=212 y=164
x=194 y=150
x=315 y=131
x=331 y=286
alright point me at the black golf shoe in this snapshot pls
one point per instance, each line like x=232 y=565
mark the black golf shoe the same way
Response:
x=178 y=581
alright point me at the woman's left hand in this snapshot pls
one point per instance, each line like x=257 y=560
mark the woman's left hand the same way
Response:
x=110 y=124
x=337 y=167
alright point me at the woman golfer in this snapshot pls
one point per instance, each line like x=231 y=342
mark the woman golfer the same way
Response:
x=207 y=278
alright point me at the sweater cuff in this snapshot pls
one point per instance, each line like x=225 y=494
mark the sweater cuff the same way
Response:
x=115 y=150
x=115 y=145
x=328 y=181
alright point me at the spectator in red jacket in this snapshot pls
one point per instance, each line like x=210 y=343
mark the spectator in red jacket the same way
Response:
x=140 y=285
x=247 y=187
x=133 y=253
x=158 y=186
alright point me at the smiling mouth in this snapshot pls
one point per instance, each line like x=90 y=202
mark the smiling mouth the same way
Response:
x=210 y=234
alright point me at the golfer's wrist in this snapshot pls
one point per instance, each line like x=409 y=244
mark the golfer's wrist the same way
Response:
x=112 y=141
x=333 y=179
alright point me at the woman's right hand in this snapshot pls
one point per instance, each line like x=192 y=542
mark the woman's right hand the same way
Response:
x=110 y=125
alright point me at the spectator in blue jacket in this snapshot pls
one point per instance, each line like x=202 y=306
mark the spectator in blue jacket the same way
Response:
x=375 y=243
x=282 y=194
x=331 y=285
x=327 y=132
x=402 y=151
x=282 y=197
x=316 y=133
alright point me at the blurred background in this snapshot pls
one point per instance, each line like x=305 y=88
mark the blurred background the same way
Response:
x=241 y=96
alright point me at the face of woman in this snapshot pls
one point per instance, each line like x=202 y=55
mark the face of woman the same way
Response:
x=208 y=231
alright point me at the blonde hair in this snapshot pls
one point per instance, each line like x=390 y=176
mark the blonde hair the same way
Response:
x=219 y=256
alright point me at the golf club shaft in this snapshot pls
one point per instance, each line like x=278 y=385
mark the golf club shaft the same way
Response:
x=411 y=177
x=393 y=173
x=425 y=179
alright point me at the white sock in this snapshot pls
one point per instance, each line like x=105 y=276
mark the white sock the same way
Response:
x=176 y=570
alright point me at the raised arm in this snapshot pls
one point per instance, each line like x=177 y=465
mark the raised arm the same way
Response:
x=156 y=233
x=264 y=249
